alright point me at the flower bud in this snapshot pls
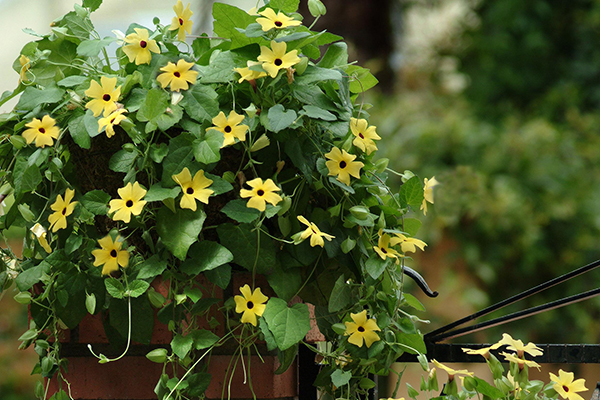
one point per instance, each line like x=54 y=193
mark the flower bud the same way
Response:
x=359 y=212
x=157 y=355
x=382 y=164
x=301 y=66
x=260 y=143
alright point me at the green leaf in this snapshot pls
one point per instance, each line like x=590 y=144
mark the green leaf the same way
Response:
x=96 y=201
x=411 y=193
x=169 y=118
x=26 y=279
x=152 y=267
x=361 y=79
x=181 y=152
x=485 y=388
x=204 y=339
x=335 y=56
x=413 y=341
x=375 y=266
x=91 y=48
x=72 y=81
x=220 y=276
x=340 y=378
x=413 y=302
x=317 y=74
x=114 y=287
x=92 y=4
x=287 y=6
x=29 y=180
x=269 y=339
x=200 y=102
x=204 y=256
x=227 y=19
x=220 y=68
x=279 y=118
x=219 y=184
x=286 y=358
x=286 y=283
x=411 y=226
x=238 y=211
x=159 y=193
x=317 y=113
x=137 y=288
x=208 y=150
x=79 y=133
x=289 y=325
x=32 y=97
x=181 y=345
x=122 y=161
x=341 y=295
x=154 y=105
x=179 y=230
x=243 y=243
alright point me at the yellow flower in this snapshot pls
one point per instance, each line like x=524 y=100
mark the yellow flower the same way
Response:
x=383 y=247
x=182 y=21
x=484 y=351
x=566 y=387
x=408 y=244
x=261 y=193
x=452 y=372
x=104 y=95
x=313 y=231
x=109 y=122
x=62 y=209
x=277 y=21
x=178 y=76
x=341 y=164
x=519 y=347
x=230 y=127
x=110 y=255
x=248 y=74
x=250 y=304
x=193 y=189
x=40 y=233
x=428 y=193
x=41 y=131
x=277 y=58
x=139 y=47
x=25 y=65
x=362 y=329
x=365 y=135
x=521 y=361
x=130 y=202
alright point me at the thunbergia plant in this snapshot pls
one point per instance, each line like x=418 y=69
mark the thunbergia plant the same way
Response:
x=512 y=384
x=187 y=160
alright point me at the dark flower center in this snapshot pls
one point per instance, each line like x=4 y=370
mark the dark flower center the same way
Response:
x=227 y=129
x=360 y=135
x=278 y=24
x=143 y=44
x=278 y=62
x=260 y=192
x=129 y=203
x=250 y=305
x=383 y=250
x=113 y=253
x=566 y=388
x=343 y=164
x=64 y=211
x=360 y=329
x=112 y=121
x=190 y=190
x=177 y=74
x=42 y=130
x=180 y=21
x=106 y=97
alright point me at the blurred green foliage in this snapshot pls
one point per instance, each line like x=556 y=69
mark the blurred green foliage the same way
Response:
x=521 y=196
x=535 y=55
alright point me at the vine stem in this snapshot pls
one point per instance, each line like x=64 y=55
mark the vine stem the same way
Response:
x=102 y=357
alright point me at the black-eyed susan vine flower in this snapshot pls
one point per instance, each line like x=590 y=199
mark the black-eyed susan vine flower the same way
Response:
x=104 y=96
x=429 y=184
x=341 y=164
x=231 y=127
x=43 y=132
x=566 y=387
x=364 y=135
x=362 y=329
x=25 y=66
x=108 y=123
x=139 y=47
x=41 y=235
x=250 y=304
x=408 y=244
x=178 y=76
x=510 y=357
x=193 y=189
x=261 y=194
x=276 y=58
x=314 y=233
x=452 y=373
x=62 y=209
x=129 y=204
x=518 y=346
x=110 y=255
x=270 y=20
x=383 y=248
x=247 y=74
x=484 y=351
x=182 y=21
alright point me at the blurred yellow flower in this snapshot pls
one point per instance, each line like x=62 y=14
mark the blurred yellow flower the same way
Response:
x=365 y=135
x=247 y=74
x=139 y=45
x=130 y=203
x=110 y=255
x=261 y=194
x=270 y=20
x=40 y=233
x=62 y=209
x=25 y=65
x=428 y=192
x=383 y=247
x=182 y=21
x=313 y=231
x=276 y=58
x=408 y=244
x=230 y=127
x=43 y=131
x=250 y=304
x=519 y=347
x=111 y=121
x=341 y=164
x=566 y=386
x=451 y=372
x=362 y=329
x=521 y=361
x=104 y=96
x=178 y=76
x=193 y=189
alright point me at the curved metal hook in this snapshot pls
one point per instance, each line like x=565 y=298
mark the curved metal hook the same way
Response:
x=420 y=281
